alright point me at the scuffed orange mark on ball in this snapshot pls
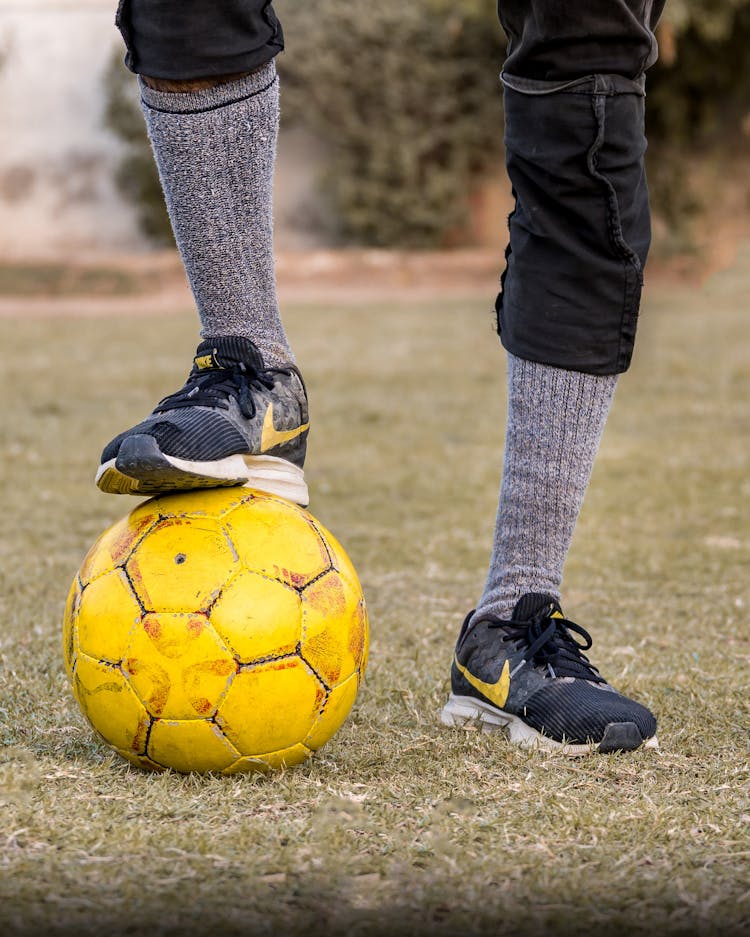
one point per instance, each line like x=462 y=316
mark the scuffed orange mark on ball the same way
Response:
x=291 y=578
x=152 y=627
x=153 y=683
x=138 y=745
x=173 y=638
x=357 y=633
x=195 y=627
x=136 y=577
x=123 y=545
x=327 y=596
x=201 y=679
x=202 y=706
x=324 y=653
x=320 y=696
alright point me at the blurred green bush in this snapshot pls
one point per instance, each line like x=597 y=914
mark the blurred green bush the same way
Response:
x=698 y=103
x=405 y=99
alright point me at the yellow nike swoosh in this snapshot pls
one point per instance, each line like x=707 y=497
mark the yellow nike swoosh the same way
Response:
x=496 y=693
x=271 y=437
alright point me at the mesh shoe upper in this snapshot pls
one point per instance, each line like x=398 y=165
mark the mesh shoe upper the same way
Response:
x=198 y=434
x=229 y=405
x=533 y=667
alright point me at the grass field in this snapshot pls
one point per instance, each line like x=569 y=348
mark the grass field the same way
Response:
x=399 y=825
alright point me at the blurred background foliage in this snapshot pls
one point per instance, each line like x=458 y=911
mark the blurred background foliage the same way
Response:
x=408 y=109
x=136 y=176
x=406 y=103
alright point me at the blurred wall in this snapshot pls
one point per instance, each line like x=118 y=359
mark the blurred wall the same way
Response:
x=57 y=159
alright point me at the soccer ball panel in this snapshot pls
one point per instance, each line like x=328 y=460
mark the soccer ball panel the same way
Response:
x=110 y=704
x=277 y=539
x=258 y=618
x=271 y=706
x=337 y=708
x=194 y=745
x=286 y=758
x=107 y=616
x=178 y=666
x=181 y=565
x=333 y=628
x=116 y=544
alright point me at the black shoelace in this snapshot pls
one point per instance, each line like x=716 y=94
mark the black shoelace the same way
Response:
x=549 y=643
x=215 y=386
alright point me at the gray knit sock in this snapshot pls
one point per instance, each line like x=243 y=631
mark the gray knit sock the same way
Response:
x=555 y=422
x=215 y=150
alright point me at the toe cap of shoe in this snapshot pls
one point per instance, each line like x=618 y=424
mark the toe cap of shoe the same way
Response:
x=579 y=712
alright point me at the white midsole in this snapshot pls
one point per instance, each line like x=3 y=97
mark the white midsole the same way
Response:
x=264 y=472
x=462 y=710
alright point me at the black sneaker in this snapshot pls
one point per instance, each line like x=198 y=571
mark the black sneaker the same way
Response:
x=528 y=677
x=235 y=422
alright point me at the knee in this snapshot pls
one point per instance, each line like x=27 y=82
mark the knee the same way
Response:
x=187 y=85
x=563 y=41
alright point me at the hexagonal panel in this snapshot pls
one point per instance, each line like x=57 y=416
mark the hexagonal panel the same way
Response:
x=110 y=705
x=276 y=538
x=181 y=565
x=194 y=745
x=107 y=616
x=115 y=545
x=258 y=617
x=337 y=708
x=286 y=758
x=270 y=706
x=178 y=666
x=334 y=628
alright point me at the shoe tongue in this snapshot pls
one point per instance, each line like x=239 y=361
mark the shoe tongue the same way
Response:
x=227 y=350
x=529 y=605
x=563 y=661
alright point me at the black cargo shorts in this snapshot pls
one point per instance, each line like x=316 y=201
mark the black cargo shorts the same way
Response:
x=178 y=39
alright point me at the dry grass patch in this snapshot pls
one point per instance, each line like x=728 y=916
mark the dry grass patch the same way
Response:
x=399 y=825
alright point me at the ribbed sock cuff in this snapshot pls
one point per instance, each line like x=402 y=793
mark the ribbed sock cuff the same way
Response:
x=210 y=99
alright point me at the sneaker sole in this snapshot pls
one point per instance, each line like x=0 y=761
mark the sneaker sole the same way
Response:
x=461 y=711
x=141 y=468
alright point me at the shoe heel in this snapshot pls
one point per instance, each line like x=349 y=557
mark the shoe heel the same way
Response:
x=277 y=477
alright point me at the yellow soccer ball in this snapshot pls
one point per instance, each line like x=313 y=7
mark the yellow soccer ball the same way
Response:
x=221 y=630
